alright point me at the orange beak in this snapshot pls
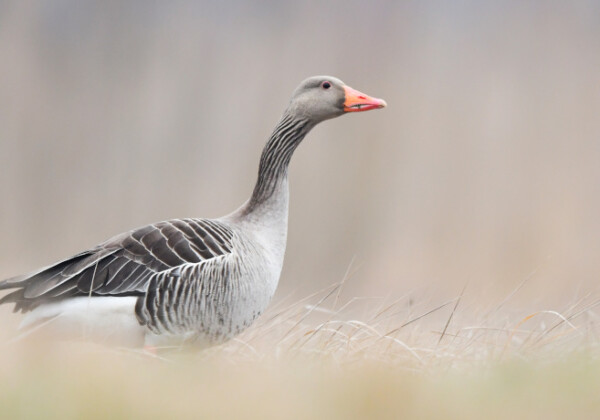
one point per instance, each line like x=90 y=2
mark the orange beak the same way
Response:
x=357 y=101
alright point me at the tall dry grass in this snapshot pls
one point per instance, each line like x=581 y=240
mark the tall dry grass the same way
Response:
x=322 y=357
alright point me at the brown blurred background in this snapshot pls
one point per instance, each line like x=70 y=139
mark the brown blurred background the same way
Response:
x=485 y=167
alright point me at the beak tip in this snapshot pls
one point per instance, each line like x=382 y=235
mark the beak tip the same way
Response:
x=382 y=103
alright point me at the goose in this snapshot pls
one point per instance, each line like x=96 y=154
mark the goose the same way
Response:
x=186 y=281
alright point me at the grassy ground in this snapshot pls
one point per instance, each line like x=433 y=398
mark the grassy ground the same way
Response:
x=112 y=386
x=317 y=358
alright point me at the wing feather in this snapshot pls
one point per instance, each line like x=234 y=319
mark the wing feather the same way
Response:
x=125 y=264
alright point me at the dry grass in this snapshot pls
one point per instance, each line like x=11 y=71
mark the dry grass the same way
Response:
x=423 y=338
x=321 y=358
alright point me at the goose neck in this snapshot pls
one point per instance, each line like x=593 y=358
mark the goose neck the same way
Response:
x=275 y=160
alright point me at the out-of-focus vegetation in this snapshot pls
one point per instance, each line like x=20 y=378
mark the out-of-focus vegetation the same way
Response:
x=98 y=386
x=483 y=168
x=483 y=171
x=312 y=359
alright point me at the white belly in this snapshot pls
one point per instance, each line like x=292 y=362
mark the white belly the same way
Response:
x=107 y=320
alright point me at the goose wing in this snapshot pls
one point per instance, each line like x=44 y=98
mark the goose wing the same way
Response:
x=123 y=265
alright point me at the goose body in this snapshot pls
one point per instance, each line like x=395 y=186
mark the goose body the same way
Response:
x=185 y=281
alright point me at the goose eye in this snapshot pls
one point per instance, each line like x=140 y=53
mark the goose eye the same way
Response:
x=325 y=85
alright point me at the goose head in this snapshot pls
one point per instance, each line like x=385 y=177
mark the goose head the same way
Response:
x=320 y=98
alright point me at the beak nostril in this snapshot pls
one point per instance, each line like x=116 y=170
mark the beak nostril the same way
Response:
x=362 y=97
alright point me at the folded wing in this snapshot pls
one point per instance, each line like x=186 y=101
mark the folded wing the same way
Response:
x=123 y=265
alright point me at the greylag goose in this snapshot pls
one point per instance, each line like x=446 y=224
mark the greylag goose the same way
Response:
x=187 y=280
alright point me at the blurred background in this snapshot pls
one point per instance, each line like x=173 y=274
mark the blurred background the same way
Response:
x=484 y=168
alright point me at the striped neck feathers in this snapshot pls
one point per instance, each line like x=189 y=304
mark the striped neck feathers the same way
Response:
x=275 y=158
